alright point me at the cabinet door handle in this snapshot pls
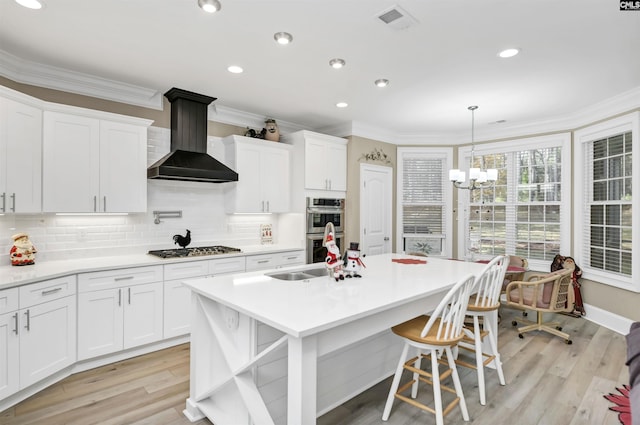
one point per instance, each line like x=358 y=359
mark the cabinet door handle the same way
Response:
x=329 y=184
x=15 y=318
x=129 y=296
x=123 y=278
x=268 y=208
x=263 y=261
x=291 y=258
x=119 y=297
x=51 y=291
x=13 y=197
x=28 y=325
x=104 y=203
x=262 y=206
x=95 y=204
x=4 y=202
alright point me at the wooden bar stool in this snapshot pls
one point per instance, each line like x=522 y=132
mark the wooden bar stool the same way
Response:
x=483 y=303
x=432 y=336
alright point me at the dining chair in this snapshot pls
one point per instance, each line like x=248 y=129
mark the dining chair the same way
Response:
x=483 y=309
x=543 y=293
x=432 y=336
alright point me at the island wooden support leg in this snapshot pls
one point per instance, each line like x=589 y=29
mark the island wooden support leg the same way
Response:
x=302 y=381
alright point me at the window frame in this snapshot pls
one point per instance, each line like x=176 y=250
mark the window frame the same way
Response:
x=446 y=155
x=623 y=124
x=513 y=145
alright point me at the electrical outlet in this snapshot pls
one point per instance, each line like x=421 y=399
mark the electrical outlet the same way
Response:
x=82 y=233
x=232 y=318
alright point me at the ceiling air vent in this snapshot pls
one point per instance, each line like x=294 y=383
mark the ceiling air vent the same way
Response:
x=396 y=17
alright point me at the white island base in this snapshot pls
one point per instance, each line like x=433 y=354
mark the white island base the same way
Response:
x=265 y=351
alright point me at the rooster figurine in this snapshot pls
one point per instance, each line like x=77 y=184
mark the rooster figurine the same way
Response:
x=183 y=241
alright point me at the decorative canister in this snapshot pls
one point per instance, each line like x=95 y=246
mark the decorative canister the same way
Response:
x=272 y=132
x=22 y=252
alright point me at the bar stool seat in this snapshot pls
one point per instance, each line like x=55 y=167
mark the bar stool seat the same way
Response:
x=431 y=336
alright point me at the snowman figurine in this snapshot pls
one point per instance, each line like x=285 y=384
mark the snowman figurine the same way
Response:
x=352 y=261
x=333 y=259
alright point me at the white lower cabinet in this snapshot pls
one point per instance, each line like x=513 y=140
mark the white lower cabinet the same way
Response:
x=40 y=336
x=119 y=316
x=9 y=341
x=275 y=260
x=177 y=297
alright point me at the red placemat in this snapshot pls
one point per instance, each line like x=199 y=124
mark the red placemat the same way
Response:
x=408 y=261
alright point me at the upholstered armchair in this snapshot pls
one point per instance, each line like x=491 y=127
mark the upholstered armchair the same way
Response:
x=542 y=293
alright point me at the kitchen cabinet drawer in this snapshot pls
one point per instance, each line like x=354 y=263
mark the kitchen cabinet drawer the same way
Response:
x=111 y=279
x=48 y=290
x=261 y=262
x=186 y=270
x=292 y=258
x=9 y=300
x=227 y=265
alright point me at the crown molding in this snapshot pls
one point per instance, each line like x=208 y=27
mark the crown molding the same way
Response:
x=623 y=103
x=37 y=74
x=226 y=115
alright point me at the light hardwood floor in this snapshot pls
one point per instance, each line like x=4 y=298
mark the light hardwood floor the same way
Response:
x=548 y=383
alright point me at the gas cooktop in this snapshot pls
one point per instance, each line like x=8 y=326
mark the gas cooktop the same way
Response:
x=194 y=252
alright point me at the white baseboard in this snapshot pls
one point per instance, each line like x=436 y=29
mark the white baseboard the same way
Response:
x=607 y=319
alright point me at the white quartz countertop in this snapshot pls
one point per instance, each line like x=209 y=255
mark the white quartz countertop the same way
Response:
x=19 y=275
x=302 y=308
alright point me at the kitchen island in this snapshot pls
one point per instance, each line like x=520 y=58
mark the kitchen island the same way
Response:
x=262 y=348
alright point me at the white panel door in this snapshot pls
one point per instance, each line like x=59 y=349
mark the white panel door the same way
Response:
x=47 y=339
x=20 y=157
x=375 y=209
x=70 y=163
x=274 y=179
x=142 y=314
x=123 y=167
x=99 y=323
x=9 y=354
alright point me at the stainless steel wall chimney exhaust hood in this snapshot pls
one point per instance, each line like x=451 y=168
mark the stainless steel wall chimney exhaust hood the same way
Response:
x=188 y=159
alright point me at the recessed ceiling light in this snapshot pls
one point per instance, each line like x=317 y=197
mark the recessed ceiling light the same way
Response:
x=210 y=6
x=509 y=53
x=342 y=104
x=337 y=63
x=382 y=82
x=31 y=4
x=283 y=37
x=235 y=69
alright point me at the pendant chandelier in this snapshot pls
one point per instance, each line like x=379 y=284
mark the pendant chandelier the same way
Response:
x=478 y=178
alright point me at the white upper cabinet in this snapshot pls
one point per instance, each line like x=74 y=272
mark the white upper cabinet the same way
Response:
x=325 y=160
x=20 y=156
x=91 y=164
x=263 y=169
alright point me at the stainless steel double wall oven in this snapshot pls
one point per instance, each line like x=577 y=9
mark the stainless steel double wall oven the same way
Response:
x=321 y=211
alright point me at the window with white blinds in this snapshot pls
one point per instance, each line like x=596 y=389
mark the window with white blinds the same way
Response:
x=605 y=176
x=523 y=212
x=608 y=204
x=424 y=202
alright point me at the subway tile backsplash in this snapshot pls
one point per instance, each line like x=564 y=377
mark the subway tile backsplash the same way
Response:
x=202 y=205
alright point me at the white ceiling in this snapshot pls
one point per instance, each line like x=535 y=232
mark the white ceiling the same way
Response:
x=575 y=53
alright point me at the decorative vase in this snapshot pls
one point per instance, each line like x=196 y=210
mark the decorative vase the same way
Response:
x=272 y=132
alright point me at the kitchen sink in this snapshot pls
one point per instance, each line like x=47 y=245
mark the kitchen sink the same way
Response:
x=299 y=274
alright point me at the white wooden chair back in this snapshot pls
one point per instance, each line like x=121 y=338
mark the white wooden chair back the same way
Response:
x=488 y=285
x=450 y=313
